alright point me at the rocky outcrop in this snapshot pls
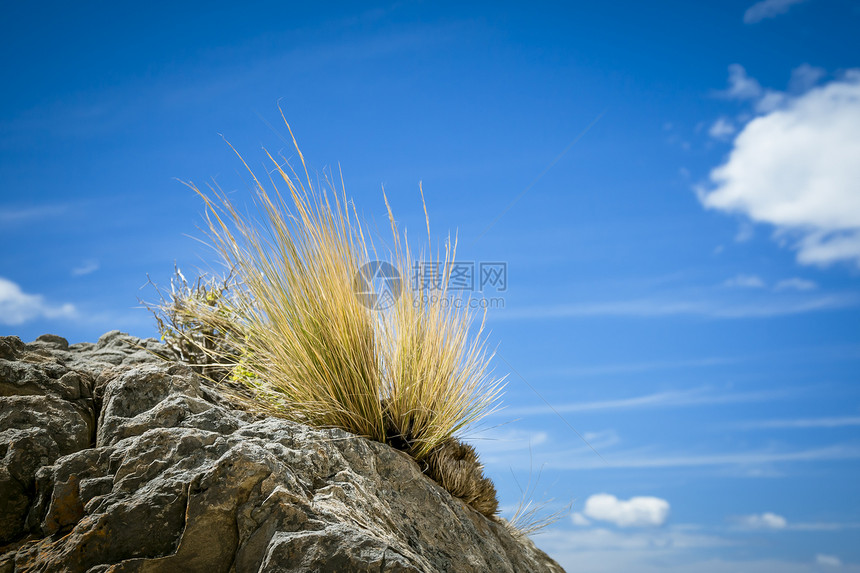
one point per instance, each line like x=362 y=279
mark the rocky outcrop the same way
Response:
x=114 y=460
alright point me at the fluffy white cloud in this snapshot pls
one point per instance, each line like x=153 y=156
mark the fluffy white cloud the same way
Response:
x=579 y=519
x=767 y=9
x=830 y=560
x=765 y=520
x=634 y=512
x=796 y=168
x=18 y=307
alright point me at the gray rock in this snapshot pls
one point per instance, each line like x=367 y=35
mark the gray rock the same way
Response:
x=173 y=478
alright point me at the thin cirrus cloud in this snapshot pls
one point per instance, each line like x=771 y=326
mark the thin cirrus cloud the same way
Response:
x=800 y=423
x=717 y=309
x=766 y=520
x=795 y=166
x=769 y=520
x=667 y=549
x=745 y=281
x=768 y=9
x=795 y=283
x=636 y=367
x=828 y=560
x=672 y=399
x=85 y=268
x=585 y=460
x=754 y=281
x=18 y=307
x=20 y=215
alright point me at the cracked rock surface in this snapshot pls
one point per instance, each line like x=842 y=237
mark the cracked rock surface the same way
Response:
x=112 y=460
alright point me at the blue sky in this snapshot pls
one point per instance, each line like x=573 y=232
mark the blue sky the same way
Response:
x=672 y=186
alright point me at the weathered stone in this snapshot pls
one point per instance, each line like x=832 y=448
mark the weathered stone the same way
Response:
x=53 y=341
x=174 y=479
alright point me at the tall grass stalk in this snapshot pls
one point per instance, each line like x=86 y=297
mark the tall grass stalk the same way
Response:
x=413 y=375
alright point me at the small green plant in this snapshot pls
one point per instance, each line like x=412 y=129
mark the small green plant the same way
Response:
x=291 y=330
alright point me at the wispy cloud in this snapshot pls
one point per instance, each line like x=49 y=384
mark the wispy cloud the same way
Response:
x=681 y=548
x=499 y=441
x=768 y=9
x=775 y=522
x=766 y=520
x=645 y=308
x=722 y=129
x=629 y=368
x=795 y=283
x=672 y=399
x=800 y=423
x=744 y=281
x=741 y=86
x=18 y=307
x=17 y=215
x=85 y=268
x=828 y=560
x=645 y=460
x=823 y=526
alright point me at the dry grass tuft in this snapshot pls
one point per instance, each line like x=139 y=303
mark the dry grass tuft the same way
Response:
x=532 y=517
x=454 y=465
x=309 y=349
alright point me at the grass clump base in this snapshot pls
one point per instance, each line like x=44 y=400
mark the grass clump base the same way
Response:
x=289 y=335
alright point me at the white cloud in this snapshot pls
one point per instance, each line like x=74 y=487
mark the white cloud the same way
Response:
x=796 y=168
x=644 y=511
x=721 y=129
x=85 y=268
x=795 y=284
x=579 y=519
x=768 y=9
x=765 y=520
x=18 y=307
x=744 y=281
x=829 y=560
